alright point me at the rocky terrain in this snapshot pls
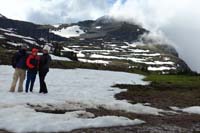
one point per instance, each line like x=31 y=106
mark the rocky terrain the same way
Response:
x=103 y=41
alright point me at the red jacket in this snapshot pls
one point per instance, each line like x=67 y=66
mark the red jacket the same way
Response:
x=32 y=63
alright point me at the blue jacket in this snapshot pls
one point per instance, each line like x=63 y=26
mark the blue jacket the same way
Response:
x=19 y=59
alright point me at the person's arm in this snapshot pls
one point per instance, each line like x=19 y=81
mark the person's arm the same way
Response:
x=28 y=62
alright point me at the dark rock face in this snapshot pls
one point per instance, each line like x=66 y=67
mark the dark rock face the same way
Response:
x=29 y=29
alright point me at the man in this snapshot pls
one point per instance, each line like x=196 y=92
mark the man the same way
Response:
x=19 y=63
x=45 y=60
x=32 y=63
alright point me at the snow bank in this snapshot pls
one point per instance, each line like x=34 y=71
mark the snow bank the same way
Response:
x=94 y=61
x=6 y=30
x=73 y=31
x=31 y=42
x=14 y=44
x=59 y=58
x=19 y=36
x=2 y=37
x=98 y=27
x=90 y=88
x=23 y=119
x=162 y=68
x=191 y=110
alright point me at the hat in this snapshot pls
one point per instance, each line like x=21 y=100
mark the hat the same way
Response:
x=47 y=48
x=34 y=50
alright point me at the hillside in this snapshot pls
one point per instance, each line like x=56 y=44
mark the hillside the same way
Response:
x=104 y=41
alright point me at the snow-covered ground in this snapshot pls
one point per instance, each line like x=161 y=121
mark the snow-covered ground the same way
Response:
x=73 y=31
x=19 y=36
x=59 y=58
x=88 y=88
x=191 y=110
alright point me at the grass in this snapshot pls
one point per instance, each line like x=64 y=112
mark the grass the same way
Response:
x=164 y=91
x=176 y=80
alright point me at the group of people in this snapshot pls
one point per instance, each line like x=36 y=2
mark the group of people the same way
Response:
x=32 y=63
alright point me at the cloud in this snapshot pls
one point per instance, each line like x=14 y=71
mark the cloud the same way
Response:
x=178 y=20
x=55 y=11
x=67 y=11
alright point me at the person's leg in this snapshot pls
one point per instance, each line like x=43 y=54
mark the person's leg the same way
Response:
x=43 y=87
x=14 y=82
x=44 y=84
x=22 y=76
x=33 y=77
x=28 y=79
x=41 y=81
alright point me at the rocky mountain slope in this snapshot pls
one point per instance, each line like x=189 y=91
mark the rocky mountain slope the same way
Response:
x=104 y=41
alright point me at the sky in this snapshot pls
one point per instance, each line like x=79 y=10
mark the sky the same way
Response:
x=177 y=20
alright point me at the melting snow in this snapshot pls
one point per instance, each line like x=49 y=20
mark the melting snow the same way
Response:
x=31 y=42
x=87 y=87
x=162 y=68
x=191 y=110
x=98 y=27
x=14 y=44
x=59 y=58
x=73 y=31
x=19 y=36
x=94 y=61
x=2 y=37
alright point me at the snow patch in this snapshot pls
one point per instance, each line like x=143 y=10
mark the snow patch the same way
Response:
x=98 y=27
x=191 y=110
x=14 y=44
x=94 y=61
x=73 y=31
x=31 y=42
x=59 y=58
x=19 y=36
x=87 y=87
x=6 y=30
x=2 y=37
x=162 y=68
x=23 y=119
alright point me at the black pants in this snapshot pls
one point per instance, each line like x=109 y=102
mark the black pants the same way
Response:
x=43 y=87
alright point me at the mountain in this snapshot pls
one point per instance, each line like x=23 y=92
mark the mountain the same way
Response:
x=103 y=41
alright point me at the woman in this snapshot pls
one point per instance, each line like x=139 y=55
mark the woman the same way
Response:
x=32 y=63
x=45 y=60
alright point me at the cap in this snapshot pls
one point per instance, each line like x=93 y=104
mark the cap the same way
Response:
x=47 y=48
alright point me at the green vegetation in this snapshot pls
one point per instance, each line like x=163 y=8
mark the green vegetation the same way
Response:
x=178 y=80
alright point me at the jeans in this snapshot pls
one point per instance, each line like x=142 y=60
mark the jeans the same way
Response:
x=30 y=79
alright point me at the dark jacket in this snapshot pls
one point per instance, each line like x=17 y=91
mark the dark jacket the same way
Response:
x=45 y=60
x=19 y=59
x=32 y=63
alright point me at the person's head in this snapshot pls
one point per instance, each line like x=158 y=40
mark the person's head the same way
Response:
x=34 y=51
x=46 y=49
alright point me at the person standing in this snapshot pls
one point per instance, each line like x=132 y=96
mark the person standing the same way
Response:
x=32 y=63
x=45 y=60
x=19 y=63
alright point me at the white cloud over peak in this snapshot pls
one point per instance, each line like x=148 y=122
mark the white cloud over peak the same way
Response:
x=54 y=11
x=178 y=20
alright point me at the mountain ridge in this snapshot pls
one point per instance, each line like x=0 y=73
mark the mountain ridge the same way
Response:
x=102 y=41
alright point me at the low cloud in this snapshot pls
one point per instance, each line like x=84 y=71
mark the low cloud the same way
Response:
x=67 y=11
x=177 y=20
